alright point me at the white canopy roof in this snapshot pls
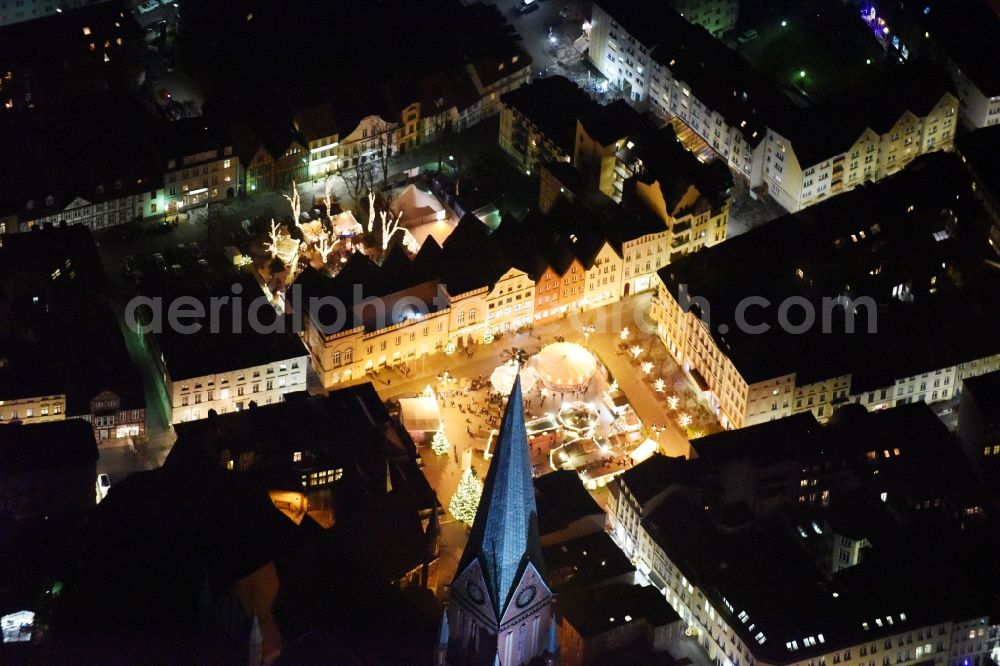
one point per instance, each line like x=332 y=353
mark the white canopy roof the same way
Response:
x=417 y=206
x=502 y=378
x=565 y=366
x=420 y=414
x=643 y=451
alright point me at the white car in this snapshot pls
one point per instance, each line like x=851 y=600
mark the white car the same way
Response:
x=103 y=486
x=148 y=6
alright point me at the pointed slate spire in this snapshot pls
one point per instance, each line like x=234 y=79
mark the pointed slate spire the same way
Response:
x=504 y=534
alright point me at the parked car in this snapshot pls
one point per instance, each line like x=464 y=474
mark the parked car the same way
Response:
x=747 y=36
x=148 y=6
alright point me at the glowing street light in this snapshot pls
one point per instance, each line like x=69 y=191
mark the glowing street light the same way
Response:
x=624 y=334
x=587 y=330
x=635 y=350
x=784 y=23
x=802 y=73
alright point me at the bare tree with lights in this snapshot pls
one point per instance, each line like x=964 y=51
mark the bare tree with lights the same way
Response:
x=357 y=181
x=383 y=147
x=390 y=226
x=273 y=236
x=295 y=202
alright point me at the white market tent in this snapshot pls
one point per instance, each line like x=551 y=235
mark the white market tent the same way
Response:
x=502 y=378
x=644 y=451
x=420 y=414
x=565 y=366
x=418 y=207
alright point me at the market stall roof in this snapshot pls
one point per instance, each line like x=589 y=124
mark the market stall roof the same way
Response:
x=420 y=414
x=502 y=378
x=644 y=451
x=417 y=206
x=565 y=366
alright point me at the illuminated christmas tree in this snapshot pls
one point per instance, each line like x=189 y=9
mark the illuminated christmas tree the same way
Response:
x=439 y=444
x=465 y=501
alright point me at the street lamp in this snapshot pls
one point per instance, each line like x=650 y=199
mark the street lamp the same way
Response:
x=587 y=330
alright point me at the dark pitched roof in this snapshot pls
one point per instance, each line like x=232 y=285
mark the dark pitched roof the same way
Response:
x=824 y=255
x=979 y=150
x=207 y=352
x=504 y=536
x=562 y=500
x=590 y=560
x=653 y=476
x=557 y=121
x=985 y=390
x=595 y=611
x=52 y=296
x=472 y=257
x=316 y=121
x=65 y=444
x=877 y=104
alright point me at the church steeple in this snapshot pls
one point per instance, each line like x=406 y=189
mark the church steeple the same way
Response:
x=504 y=534
x=501 y=604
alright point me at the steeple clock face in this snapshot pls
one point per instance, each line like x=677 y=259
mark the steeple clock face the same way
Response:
x=475 y=592
x=525 y=596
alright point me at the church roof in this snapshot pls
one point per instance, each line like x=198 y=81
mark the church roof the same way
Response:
x=504 y=534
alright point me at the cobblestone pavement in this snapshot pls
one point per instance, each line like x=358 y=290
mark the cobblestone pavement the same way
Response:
x=747 y=213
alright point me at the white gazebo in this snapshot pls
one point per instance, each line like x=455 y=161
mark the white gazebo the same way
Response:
x=502 y=378
x=565 y=367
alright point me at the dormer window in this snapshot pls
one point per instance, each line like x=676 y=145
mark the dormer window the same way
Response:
x=31 y=205
x=49 y=200
x=100 y=189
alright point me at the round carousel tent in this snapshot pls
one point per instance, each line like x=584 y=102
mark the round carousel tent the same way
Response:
x=565 y=367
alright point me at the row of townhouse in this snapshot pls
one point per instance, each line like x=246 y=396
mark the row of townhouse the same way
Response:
x=662 y=513
x=191 y=398
x=340 y=136
x=478 y=285
x=193 y=163
x=883 y=350
x=580 y=144
x=799 y=156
